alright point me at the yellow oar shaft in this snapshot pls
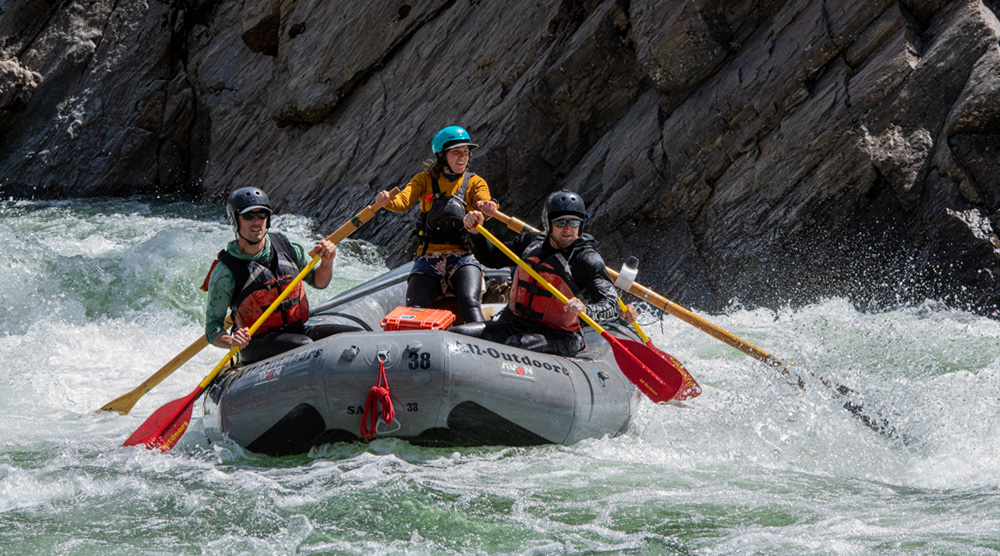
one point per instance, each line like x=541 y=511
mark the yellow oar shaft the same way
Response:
x=260 y=320
x=123 y=404
x=674 y=309
x=654 y=375
x=538 y=277
x=519 y=226
x=339 y=234
x=635 y=325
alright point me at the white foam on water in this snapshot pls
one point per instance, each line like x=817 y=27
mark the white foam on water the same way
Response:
x=103 y=293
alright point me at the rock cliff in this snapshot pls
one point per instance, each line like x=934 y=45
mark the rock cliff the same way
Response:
x=764 y=151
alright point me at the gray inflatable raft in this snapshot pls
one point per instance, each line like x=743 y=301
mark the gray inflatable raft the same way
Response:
x=447 y=389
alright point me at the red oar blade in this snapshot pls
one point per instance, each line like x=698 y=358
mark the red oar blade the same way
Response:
x=689 y=387
x=655 y=376
x=166 y=425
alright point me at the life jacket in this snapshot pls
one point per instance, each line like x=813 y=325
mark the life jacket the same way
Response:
x=530 y=300
x=443 y=222
x=258 y=285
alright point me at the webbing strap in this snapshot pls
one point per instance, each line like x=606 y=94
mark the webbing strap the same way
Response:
x=379 y=401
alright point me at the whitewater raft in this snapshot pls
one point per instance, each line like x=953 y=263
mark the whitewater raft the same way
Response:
x=447 y=389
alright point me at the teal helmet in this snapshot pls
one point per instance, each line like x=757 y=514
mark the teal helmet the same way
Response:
x=451 y=137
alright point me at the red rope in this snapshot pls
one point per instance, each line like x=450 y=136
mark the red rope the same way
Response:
x=378 y=396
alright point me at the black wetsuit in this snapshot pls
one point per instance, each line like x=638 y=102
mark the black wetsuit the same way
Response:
x=583 y=270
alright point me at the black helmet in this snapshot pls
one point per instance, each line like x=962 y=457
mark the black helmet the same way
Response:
x=246 y=199
x=563 y=203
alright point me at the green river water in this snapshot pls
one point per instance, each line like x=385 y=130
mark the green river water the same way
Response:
x=99 y=294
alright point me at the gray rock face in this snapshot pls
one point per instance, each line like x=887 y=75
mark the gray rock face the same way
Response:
x=762 y=151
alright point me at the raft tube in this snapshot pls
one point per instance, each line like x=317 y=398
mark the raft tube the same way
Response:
x=447 y=389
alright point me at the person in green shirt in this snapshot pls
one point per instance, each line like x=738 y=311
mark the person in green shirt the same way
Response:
x=256 y=267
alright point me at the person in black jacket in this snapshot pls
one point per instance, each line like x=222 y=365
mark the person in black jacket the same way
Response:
x=568 y=259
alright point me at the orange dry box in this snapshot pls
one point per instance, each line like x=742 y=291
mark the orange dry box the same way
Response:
x=416 y=318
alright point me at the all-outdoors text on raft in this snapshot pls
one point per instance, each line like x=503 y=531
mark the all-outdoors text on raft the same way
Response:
x=490 y=351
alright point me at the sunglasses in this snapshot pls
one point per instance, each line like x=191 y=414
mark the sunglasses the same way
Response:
x=261 y=214
x=573 y=223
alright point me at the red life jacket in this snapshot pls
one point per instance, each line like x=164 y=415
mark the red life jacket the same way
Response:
x=530 y=300
x=258 y=285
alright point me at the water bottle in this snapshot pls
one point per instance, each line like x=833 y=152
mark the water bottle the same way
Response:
x=627 y=275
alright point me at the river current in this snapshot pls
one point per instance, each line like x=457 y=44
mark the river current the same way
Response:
x=99 y=294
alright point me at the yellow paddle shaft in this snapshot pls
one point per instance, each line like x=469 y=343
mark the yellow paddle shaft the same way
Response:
x=880 y=425
x=635 y=325
x=260 y=321
x=674 y=309
x=340 y=233
x=519 y=226
x=538 y=277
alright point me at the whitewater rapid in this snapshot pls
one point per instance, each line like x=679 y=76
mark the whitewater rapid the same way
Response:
x=99 y=294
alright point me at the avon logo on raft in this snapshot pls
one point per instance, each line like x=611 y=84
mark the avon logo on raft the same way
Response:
x=517 y=371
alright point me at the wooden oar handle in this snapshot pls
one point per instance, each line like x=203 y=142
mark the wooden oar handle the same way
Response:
x=674 y=309
x=687 y=316
x=360 y=218
x=715 y=331
x=513 y=223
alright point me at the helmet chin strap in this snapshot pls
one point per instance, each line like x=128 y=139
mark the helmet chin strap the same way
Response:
x=248 y=241
x=240 y=236
x=557 y=242
x=444 y=162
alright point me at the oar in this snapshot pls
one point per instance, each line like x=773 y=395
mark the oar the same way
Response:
x=879 y=423
x=124 y=403
x=689 y=386
x=166 y=425
x=654 y=376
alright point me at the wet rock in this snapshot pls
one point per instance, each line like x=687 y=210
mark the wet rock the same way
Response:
x=770 y=151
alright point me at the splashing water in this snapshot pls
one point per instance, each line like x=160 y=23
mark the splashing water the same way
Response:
x=99 y=294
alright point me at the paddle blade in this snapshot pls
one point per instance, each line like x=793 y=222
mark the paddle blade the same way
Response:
x=124 y=403
x=166 y=425
x=655 y=376
x=689 y=386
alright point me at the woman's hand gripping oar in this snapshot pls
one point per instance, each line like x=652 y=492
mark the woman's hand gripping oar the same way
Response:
x=166 y=425
x=124 y=403
x=654 y=376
